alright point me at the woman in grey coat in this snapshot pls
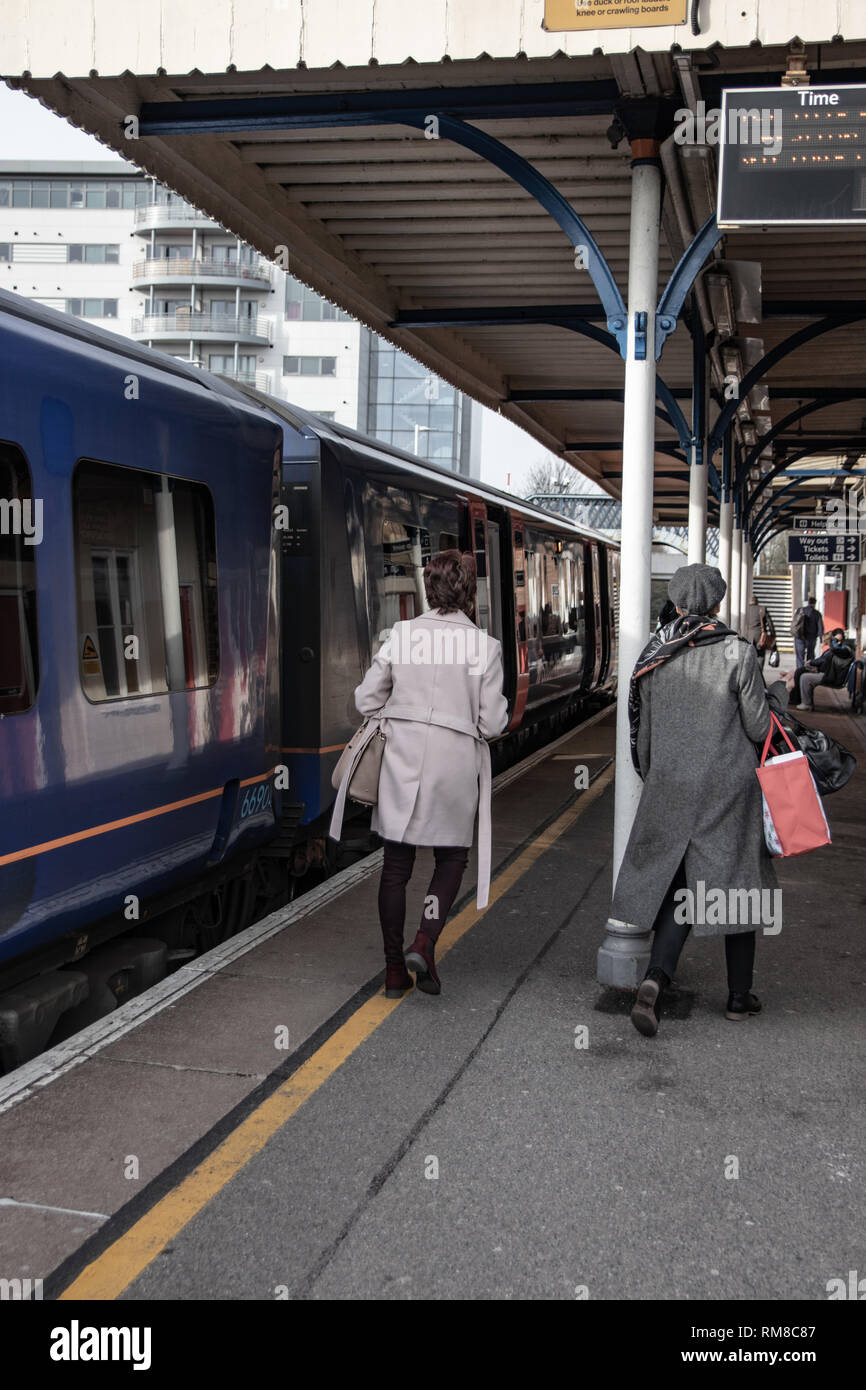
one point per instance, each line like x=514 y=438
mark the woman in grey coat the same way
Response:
x=437 y=685
x=696 y=853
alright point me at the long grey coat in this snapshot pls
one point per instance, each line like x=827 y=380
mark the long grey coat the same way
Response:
x=701 y=713
x=428 y=786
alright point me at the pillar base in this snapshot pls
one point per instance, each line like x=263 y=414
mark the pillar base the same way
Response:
x=623 y=956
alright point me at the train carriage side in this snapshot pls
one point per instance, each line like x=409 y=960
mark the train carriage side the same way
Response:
x=137 y=714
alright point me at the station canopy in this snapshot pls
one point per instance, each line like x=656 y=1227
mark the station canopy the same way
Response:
x=287 y=123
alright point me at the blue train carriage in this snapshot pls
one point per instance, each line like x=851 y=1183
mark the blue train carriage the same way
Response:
x=361 y=520
x=139 y=716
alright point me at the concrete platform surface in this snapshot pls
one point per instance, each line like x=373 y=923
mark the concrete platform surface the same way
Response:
x=514 y=1138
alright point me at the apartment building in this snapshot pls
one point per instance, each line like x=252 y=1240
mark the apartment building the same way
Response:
x=105 y=242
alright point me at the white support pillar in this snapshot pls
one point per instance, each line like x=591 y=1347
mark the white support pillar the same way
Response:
x=698 y=484
x=748 y=570
x=726 y=525
x=624 y=954
x=170 y=587
x=736 y=575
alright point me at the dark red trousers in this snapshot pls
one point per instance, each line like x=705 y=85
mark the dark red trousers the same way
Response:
x=444 y=886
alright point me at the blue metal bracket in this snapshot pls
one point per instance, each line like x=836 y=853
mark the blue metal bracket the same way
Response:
x=640 y=335
x=682 y=279
x=542 y=190
x=677 y=418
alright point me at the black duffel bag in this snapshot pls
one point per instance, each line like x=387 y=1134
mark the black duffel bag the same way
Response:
x=831 y=763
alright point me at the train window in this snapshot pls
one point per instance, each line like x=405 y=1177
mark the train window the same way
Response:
x=448 y=541
x=20 y=533
x=405 y=552
x=126 y=611
x=195 y=540
x=556 y=619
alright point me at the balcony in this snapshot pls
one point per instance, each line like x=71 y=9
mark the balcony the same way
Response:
x=260 y=377
x=186 y=325
x=201 y=270
x=168 y=217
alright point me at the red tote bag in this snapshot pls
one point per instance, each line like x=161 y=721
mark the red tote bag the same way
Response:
x=794 y=819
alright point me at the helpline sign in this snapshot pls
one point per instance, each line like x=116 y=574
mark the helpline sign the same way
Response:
x=560 y=15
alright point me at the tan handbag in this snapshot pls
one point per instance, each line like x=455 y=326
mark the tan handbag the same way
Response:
x=364 y=777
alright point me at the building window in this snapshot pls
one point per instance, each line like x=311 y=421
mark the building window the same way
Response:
x=309 y=366
x=121 y=639
x=5 y=251
x=66 y=193
x=94 y=253
x=411 y=409
x=92 y=308
x=224 y=362
x=304 y=303
x=20 y=523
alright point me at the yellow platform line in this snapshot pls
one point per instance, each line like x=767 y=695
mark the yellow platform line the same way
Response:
x=118 y=1266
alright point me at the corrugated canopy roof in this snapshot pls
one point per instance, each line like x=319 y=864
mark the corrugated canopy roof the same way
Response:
x=406 y=232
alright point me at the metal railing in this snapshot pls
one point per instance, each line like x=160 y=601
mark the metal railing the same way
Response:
x=604 y=514
x=193 y=325
x=167 y=212
x=187 y=268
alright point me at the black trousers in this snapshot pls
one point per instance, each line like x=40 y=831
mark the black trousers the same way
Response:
x=669 y=938
x=397 y=866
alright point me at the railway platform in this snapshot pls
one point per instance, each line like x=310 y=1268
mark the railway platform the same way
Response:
x=266 y=1125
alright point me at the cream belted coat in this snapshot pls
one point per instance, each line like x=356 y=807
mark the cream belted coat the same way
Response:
x=435 y=689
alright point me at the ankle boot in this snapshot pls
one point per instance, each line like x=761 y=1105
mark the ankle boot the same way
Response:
x=647 y=1005
x=397 y=979
x=742 y=1006
x=421 y=958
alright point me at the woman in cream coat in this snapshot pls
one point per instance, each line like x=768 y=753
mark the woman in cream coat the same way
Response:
x=436 y=685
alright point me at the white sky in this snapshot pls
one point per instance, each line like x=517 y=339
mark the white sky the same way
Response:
x=29 y=131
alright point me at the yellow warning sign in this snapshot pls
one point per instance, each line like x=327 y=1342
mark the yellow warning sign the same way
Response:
x=90 y=656
x=612 y=14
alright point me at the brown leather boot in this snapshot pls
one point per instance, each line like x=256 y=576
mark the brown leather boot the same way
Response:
x=420 y=958
x=397 y=980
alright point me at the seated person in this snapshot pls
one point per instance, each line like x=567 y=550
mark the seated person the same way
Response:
x=830 y=668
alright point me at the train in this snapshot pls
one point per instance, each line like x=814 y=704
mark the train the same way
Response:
x=194 y=577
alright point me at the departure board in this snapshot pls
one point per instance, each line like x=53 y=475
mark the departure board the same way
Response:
x=792 y=156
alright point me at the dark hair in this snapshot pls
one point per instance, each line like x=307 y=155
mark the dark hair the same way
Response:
x=450 y=582
x=811 y=599
x=838 y=632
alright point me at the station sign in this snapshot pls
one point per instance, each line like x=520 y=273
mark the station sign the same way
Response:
x=824 y=548
x=563 y=15
x=792 y=156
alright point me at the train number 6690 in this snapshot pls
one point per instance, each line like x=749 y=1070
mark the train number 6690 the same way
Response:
x=256 y=799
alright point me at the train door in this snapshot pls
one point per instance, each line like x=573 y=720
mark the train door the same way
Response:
x=613 y=611
x=604 y=592
x=485 y=546
x=497 y=544
x=597 y=619
x=494 y=577
x=519 y=655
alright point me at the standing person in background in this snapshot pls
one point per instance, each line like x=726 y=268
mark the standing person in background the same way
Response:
x=437 y=686
x=807 y=627
x=760 y=629
x=697 y=707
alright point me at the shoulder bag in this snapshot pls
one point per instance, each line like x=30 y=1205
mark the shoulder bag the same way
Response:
x=361 y=761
